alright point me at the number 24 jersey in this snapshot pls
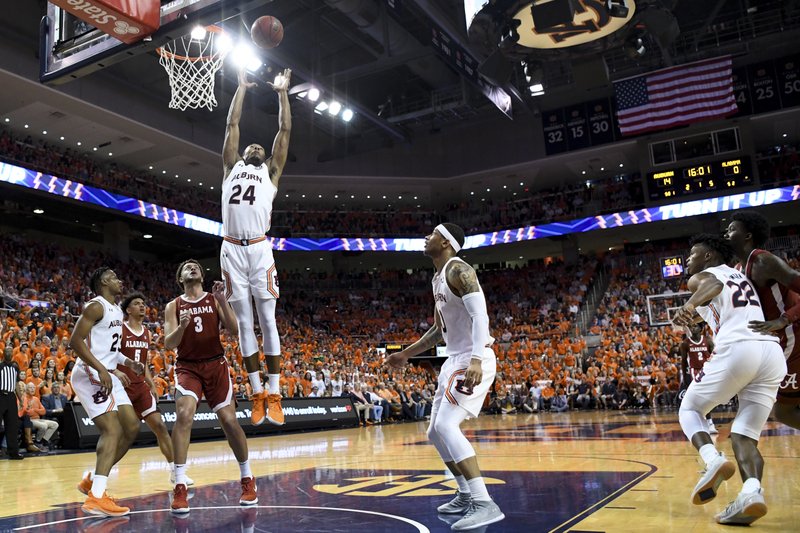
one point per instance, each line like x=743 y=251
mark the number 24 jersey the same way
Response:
x=247 y=196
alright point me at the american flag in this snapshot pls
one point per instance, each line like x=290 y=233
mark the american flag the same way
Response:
x=675 y=96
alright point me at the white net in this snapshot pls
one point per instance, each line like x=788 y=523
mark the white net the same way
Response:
x=191 y=64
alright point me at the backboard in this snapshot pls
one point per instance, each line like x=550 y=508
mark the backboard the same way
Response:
x=70 y=48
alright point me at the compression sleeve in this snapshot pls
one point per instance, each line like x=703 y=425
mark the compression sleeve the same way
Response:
x=475 y=303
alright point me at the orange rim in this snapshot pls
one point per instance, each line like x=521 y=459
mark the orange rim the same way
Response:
x=166 y=53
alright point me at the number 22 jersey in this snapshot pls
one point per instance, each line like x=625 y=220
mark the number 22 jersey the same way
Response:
x=729 y=313
x=247 y=196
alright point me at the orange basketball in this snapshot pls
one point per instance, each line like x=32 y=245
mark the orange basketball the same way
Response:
x=267 y=32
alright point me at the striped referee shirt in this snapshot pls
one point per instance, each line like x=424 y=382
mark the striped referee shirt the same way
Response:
x=8 y=377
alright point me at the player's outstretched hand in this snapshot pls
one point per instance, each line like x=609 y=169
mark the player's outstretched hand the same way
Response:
x=474 y=373
x=769 y=326
x=243 y=78
x=137 y=367
x=282 y=80
x=123 y=377
x=218 y=290
x=396 y=359
x=684 y=316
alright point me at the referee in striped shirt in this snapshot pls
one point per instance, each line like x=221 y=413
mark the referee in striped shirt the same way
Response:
x=8 y=402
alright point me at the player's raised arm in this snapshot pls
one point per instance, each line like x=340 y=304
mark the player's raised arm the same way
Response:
x=704 y=287
x=230 y=147
x=224 y=309
x=776 y=268
x=91 y=314
x=172 y=328
x=280 y=147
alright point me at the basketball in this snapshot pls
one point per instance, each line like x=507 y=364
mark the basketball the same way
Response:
x=267 y=32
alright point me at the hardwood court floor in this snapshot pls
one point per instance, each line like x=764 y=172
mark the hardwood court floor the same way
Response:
x=580 y=472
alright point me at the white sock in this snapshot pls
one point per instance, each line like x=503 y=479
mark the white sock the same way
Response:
x=180 y=474
x=463 y=486
x=99 y=484
x=255 y=382
x=244 y=469
x=478 y=489
x=708 y=452
x=274 y=383
x=171 y=467
x=751 y=485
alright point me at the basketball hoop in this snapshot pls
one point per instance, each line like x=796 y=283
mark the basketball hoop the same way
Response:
x=191 y=64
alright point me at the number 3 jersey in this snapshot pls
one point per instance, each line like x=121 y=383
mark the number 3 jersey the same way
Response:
x=247 y=195
x=729 y=313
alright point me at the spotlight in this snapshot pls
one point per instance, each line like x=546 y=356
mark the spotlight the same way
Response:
x=347 y=115
x=334 y=108
x=635 y=47
x=313 y=94
x=617 y=8
x=198 y=33
x=322 y=106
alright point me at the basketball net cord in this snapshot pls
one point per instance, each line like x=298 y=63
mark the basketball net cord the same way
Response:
x=191 y=74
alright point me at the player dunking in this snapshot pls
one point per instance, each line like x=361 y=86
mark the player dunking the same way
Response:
x=745 y=363
x=462 y=321
x=142 y=390
x=694 y=351
x=249 y=186
x=778 y=287
x=99 y=386
x=192 y=325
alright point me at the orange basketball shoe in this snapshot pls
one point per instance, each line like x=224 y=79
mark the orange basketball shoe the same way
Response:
x=258 y=414
x=274 y=410
x=249 y=496
x=180 y=499
x=86 y=483
x=105 y=506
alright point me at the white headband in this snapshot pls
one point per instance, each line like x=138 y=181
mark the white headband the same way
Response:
x=446 y=234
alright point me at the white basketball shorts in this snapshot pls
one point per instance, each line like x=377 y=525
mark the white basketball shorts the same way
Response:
x=451 y=383
x=86 y=385
x=248 y=270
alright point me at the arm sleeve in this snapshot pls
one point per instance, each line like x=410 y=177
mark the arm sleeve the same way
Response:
x=121 y=359
x=475 y=304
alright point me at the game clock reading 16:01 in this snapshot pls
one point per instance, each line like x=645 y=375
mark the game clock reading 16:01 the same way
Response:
x=696 y=179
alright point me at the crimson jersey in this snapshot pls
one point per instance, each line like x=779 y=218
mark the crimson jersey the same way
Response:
x=697 y=354
x=775 y=299
x=134 y=346
x=200 y=340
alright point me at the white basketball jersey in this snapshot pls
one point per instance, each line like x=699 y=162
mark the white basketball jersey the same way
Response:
x=455 y=321
x=106 y=335
x=247 y=196
x=729 y=312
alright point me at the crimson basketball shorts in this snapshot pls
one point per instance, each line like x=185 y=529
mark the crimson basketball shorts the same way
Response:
x=144 y=403
x=205 y=378
x=248 y=270
x=789 y=391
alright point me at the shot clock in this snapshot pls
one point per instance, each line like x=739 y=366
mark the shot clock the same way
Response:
x=696 y=179
x=671 y=267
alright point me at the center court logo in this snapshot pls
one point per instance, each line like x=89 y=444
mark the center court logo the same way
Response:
x=394 y=485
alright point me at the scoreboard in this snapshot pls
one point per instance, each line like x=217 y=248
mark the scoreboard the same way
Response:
x=696 y=179
x=671 y=267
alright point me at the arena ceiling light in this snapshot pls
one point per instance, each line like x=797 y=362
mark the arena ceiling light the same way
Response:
x=6 y=120
x=198 y=33
x=334 y=108
x=313 y=94
x=322 y=106
x=147 y=236
x=347 y=115
x=38 y=211
x=244 y=55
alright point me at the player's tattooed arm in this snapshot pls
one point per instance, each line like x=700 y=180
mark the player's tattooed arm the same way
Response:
x=430 y=339
x=462 y=279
